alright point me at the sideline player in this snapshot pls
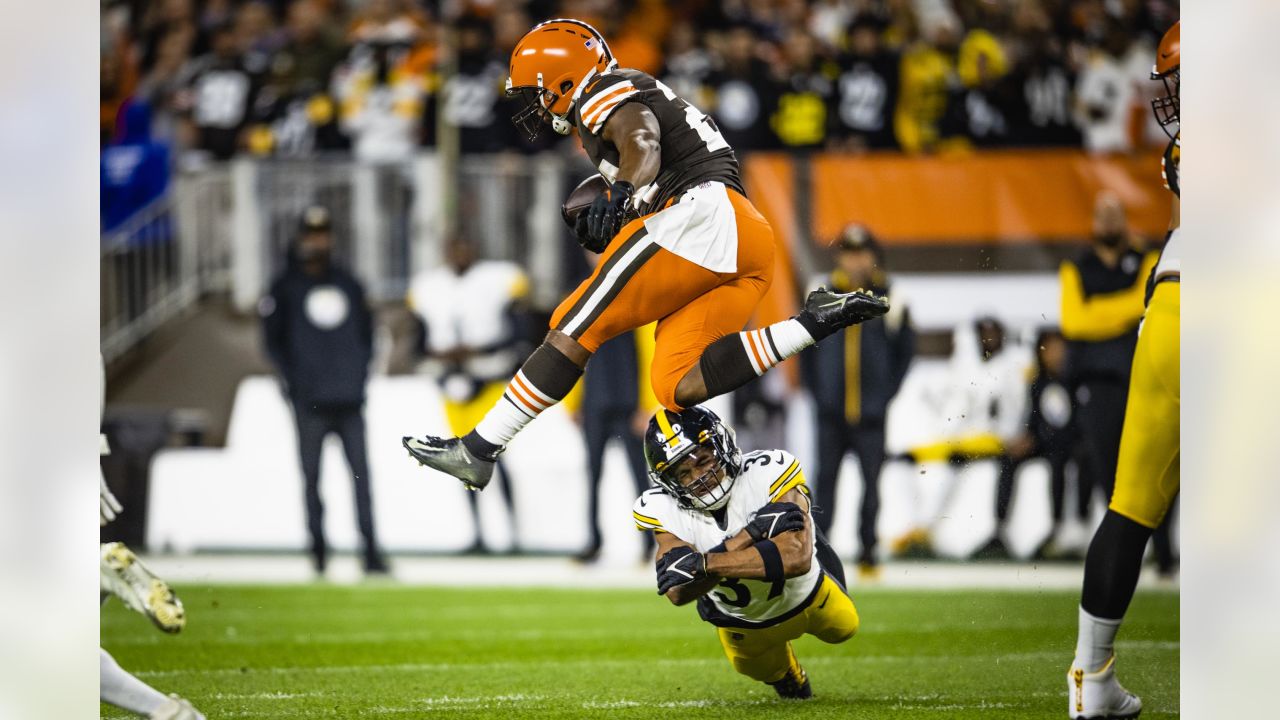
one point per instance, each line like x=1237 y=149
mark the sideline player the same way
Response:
x=681 y=245
x=123 y=575
x=1147 y=475
x=734 y=533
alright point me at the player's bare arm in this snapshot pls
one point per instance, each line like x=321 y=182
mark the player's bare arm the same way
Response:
x=633 y=129
x=744 y=557
x=794 y=546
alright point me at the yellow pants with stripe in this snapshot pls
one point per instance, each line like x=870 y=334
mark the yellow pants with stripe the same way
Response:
x=1147 y=474
x=980 y=445
x=765 y=654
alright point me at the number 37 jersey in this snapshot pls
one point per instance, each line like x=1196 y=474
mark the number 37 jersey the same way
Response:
x=766 y=476
x=693 y=150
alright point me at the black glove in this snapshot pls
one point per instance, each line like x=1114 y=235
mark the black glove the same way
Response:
x=680 y=566
x=606 y=215
x=584 y=238
x=774 y=519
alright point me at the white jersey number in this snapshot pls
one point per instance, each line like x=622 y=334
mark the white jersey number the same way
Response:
x=697 y=121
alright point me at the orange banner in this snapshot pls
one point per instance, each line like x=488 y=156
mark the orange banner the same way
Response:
x=992 y=196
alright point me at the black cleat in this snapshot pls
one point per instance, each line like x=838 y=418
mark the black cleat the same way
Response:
x=995 y=549
x=833 y=311
x=376 y=564
x=795 y=686
x=450 y=456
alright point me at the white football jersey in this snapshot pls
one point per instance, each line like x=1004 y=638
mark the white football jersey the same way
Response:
x=766 y=476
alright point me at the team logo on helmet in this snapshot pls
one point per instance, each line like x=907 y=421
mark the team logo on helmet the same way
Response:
x=678 y=443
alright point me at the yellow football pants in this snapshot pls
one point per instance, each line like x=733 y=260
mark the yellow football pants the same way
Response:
x=1147 y=475
x=462 y=417
x=765 y=654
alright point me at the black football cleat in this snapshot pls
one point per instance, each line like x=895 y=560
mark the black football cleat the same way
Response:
x=795 y=686
x=995 y=549
x=833 y=311
x=450 y=456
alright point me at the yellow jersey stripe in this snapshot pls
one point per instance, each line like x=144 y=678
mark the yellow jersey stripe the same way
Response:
x=785 y=476
x=646 y=518
x=796 y=481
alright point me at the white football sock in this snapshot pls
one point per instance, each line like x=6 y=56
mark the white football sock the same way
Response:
x=771 y=345
x=118 y=687
x=1096 y=641
x=518 y=406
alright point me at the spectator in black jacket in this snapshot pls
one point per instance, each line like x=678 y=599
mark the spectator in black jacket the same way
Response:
x=319 y=334
x=853 y=376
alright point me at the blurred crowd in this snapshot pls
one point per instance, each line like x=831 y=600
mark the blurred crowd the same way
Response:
x=379 y=78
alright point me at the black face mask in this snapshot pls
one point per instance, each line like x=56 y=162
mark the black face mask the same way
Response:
x=1111 y=240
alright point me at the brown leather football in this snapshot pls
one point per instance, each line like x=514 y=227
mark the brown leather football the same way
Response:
x=582 y=197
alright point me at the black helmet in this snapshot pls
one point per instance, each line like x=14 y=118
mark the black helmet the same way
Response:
x=673 y=436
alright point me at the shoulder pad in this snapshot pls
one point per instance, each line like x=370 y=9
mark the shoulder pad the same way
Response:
x=601 y=98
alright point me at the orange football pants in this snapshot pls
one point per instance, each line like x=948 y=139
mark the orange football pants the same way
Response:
x=637 y=282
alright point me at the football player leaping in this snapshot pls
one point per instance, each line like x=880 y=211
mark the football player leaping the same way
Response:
x=1147 y=474
x=734 y=533
x=681 y=245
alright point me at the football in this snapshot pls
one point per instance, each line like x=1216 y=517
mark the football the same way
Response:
x=582 y=197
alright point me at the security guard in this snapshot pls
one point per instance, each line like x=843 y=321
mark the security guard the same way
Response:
x=319 y=334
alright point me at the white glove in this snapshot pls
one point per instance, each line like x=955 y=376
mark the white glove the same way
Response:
x=108 y=503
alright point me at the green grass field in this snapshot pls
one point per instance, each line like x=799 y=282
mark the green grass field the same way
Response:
x=381 y=650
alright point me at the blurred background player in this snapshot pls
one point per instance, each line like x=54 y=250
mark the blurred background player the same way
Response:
x=1147 y=475
x=319 y=335
x=1102 y=306
x=853 y=377
x=1049 y=433
x=123 y=575
x=980 y=413
x=472 y=321
x=616 y=402
x=734 y=533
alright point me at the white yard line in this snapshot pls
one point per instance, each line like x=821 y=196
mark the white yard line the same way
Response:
x=472 y=668
x=564 y=573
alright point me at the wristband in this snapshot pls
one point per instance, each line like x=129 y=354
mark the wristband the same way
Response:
x=772 y=558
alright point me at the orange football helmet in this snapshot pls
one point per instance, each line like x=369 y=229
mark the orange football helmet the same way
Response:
x=550 y=66
x=1167 y=70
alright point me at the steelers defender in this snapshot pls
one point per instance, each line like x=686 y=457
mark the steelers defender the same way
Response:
x=1147 y=474
x=734 y=533
x=681 y=245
